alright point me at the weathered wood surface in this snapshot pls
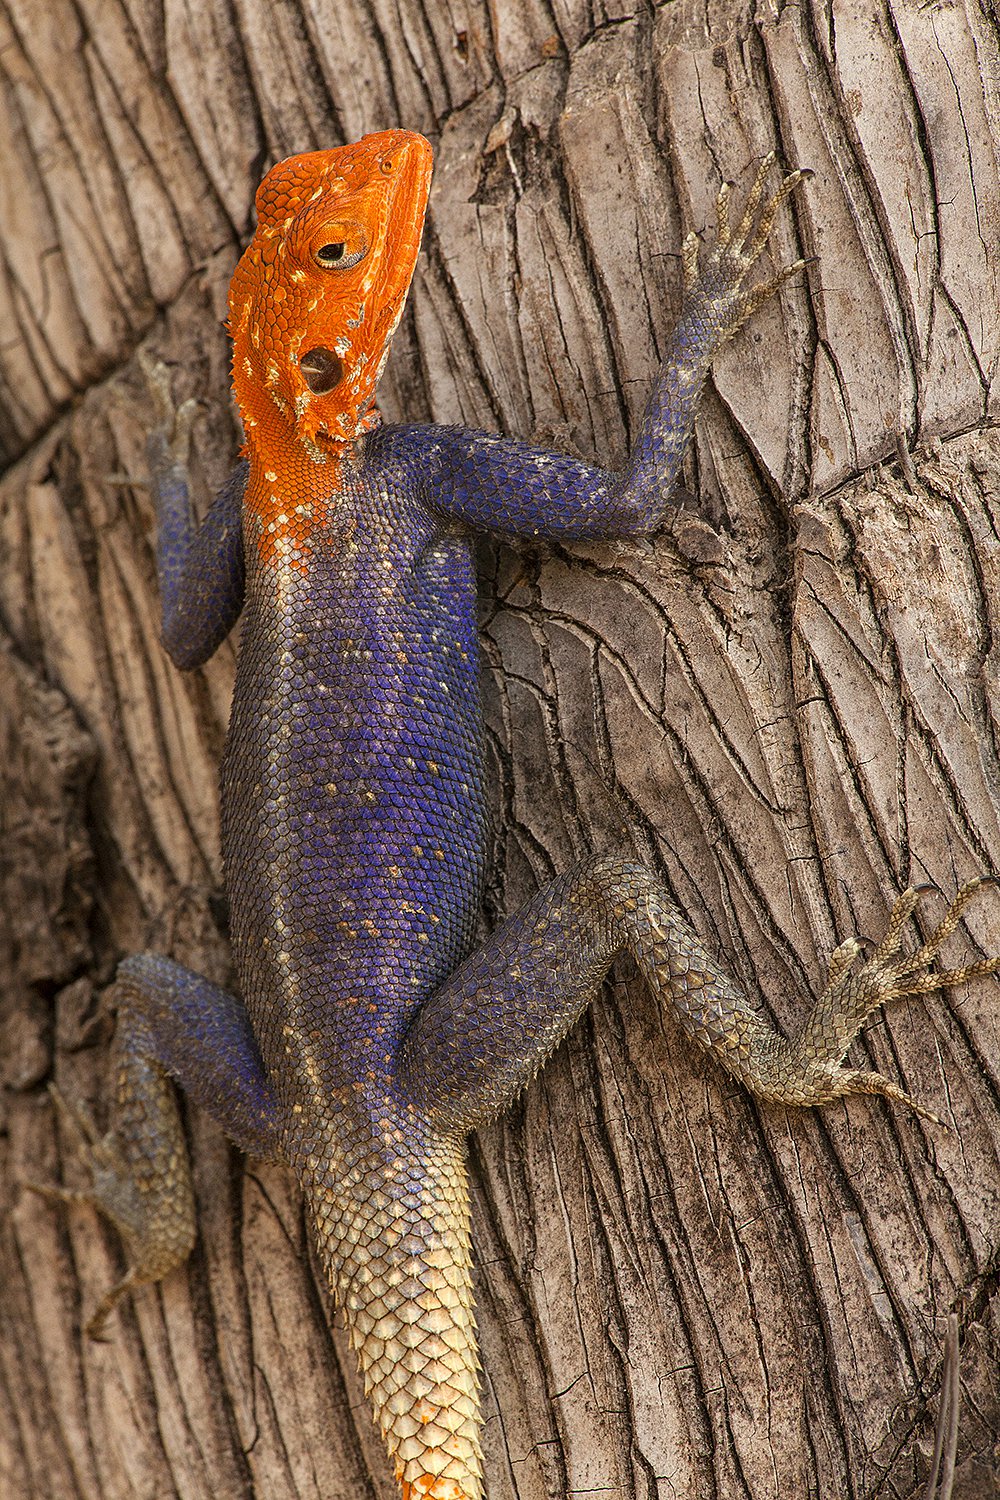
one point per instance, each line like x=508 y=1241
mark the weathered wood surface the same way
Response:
x=788 y=701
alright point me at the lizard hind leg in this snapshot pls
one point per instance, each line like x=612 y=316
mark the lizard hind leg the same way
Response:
x=172 y=1023
x=475 y=1042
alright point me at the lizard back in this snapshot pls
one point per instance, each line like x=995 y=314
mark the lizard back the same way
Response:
x=352 y=784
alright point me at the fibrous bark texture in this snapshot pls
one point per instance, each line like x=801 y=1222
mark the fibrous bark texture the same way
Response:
x=787 y=702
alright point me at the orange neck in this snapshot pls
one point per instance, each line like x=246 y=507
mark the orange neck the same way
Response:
x=289 y=497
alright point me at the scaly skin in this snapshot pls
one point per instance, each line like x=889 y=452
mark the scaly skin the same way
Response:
x=368 y=1040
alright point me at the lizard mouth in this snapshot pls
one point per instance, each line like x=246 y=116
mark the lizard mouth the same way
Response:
x=322 y=370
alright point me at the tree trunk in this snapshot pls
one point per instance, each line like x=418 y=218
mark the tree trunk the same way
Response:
x=787 y=702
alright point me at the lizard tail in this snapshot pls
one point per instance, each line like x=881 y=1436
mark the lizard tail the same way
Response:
x=393 y=1235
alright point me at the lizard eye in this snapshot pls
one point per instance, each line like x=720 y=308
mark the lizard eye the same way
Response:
x=336 y=256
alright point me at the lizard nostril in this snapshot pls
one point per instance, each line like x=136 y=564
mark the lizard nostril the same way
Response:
x=322 y=370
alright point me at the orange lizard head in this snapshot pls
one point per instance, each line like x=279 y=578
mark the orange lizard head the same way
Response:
x=319 y=291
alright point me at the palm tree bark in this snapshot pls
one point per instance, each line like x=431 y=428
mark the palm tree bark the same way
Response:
x=787 y=702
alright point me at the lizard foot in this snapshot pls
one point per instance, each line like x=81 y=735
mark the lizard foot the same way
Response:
x=170 y=434
x=852 y=994
x=157 y=1229
x=715 y=288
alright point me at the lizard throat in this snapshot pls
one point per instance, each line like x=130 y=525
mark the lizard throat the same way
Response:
x=291 y=498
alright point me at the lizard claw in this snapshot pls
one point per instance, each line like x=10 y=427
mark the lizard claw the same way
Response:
x=907 y=966
x=843 y=957
x=90 y=1150
x=891 y=974
x=716 y=290
x=887 y=974
x=82 y=1127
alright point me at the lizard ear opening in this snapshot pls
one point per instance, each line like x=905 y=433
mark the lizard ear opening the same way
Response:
x=322 y=370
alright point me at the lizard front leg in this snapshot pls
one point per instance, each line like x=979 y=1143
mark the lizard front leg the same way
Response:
x=517 y=491
x=479 y=1039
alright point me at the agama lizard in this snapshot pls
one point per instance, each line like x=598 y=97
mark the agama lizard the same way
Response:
x=368 y=1039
